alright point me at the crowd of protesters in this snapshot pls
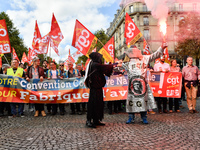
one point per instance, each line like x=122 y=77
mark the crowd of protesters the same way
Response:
x=190 y=74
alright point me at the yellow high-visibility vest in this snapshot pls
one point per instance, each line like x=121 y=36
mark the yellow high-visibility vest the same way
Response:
x=18 y=73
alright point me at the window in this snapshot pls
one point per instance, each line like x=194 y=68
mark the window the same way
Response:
x=146 y=20
x=180 y=7
x=146 y=34
x=131 y=9
x=145 y=8
x=132 y=18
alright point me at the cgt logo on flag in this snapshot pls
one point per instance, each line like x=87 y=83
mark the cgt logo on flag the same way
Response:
x=4 y=38
x=108 y=50
x=83 y=39
x=132 y=33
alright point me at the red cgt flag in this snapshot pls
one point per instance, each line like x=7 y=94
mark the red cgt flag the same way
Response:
x=31 y=55
x=146 y=48
x=44 y=44
x=36 y=39
x=4 y=38
x=108 y=51
x=83 y=39
x=167 y=59
x=15 y=55
x=70 y=58
x=24 y=58
x=66 y=65
x=132 y=33
x=56 y=35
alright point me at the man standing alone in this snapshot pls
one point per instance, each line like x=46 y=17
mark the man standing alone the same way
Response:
x=191 y=75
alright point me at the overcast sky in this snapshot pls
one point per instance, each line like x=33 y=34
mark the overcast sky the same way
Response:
x=94 y=14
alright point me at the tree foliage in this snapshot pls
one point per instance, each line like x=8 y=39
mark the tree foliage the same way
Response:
x=101 y=35
x=188 y=36
x=14 y=37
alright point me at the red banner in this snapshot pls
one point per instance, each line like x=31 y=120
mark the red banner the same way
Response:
x=36 y=39
x=166 y=84
x=24 y=58
x=15 y=55
x=83 y=39
x=146 y=50
x=132 y=33
x=56 y=35
x=4 y=38
x=72 y=90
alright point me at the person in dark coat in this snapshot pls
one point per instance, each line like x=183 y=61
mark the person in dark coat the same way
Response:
x=97 y=71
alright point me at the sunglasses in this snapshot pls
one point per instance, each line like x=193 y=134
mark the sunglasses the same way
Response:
x=61 y=65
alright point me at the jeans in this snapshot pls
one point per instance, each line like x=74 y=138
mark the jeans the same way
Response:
x=20 y=108
x=142 y=114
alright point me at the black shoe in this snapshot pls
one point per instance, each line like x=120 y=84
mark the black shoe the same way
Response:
x=110 y=112
x=53 y=113
x=165 y=111
x=79 y=113
x=72 y=113
x=195 y=111
x=191 y=111
x=99 y=123
x=115 y=111
x=62 y=113
x=160 y=111
x=90 y=125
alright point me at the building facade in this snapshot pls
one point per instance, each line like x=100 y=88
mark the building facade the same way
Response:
x=148 y=25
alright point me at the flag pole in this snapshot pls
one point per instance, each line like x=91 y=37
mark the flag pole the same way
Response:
x=148 y=45
x=6 y=59
x=100 y=42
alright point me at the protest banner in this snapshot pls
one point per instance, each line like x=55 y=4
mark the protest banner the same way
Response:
x=72 y=90
x=165 y=84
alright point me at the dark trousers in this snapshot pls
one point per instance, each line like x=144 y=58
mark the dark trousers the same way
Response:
x=83 y=105
x=117 y=105
x=55 y=106
x=5 y=106
x=175 y=102
x=49 y=107
x=72 y=106
x=20 y=108
x=161 y=100
x=39 y=107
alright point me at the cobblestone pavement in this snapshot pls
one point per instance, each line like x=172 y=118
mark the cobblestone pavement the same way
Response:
x=164 y=131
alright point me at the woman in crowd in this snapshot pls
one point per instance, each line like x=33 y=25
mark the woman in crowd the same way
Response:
x=174 y=68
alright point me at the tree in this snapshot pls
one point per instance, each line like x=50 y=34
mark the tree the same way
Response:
x=101 y=35
x=15 y=40
x=188 y=37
